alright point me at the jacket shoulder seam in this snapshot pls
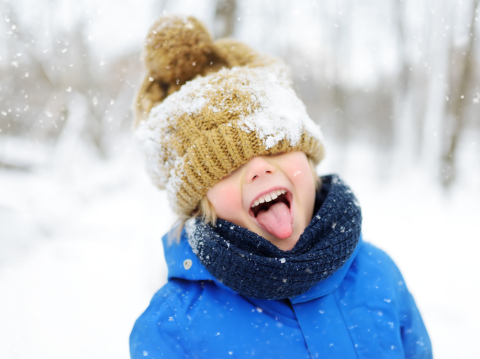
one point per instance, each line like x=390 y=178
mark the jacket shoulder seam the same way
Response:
x=167 y=290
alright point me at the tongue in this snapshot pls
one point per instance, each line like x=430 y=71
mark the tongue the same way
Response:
x=277 y=220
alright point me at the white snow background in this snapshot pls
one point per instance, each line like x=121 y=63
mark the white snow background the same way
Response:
x=80 y=255
x=80 y=248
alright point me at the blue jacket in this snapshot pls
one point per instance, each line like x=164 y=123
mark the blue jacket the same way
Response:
x=363 y=310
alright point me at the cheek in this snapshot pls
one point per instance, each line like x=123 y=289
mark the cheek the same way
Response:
x=300 y=174
x=226 y=200
x=304 y=182
x=299 y=171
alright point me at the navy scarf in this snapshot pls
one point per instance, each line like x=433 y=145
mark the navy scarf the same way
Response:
x=254 y=267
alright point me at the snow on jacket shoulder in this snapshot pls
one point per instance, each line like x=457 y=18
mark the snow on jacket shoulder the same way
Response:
x=363 y=310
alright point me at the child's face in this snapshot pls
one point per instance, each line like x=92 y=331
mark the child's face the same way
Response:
x=281 y=220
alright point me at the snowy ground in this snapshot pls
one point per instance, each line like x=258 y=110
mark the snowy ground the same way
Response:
x=80 y=251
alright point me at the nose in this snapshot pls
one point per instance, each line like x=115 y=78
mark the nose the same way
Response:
x=257 y=168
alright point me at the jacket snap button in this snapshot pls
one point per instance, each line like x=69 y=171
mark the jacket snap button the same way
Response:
x=187 y=264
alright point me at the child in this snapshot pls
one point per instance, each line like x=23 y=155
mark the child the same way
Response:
x=270 y=262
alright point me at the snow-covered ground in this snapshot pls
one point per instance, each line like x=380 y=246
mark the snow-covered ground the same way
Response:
x=80 y=250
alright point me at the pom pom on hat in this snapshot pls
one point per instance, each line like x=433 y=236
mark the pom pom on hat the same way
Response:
x=196 y=124
x=176 y=48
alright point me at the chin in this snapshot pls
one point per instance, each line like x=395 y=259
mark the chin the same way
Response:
x=285 y=244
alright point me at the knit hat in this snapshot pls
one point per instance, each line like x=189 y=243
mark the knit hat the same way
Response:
x=205 y=108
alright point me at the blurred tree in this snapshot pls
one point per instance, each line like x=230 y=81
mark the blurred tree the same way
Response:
x=376 y=72
x=225 y=18
x=340 y=102
x=404 y=117
x=435 y=94
x=55 y=91
x=460 y=92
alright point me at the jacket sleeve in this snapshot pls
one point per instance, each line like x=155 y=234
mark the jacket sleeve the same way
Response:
x=416 y=341
x=156 y=333
x=411 y=329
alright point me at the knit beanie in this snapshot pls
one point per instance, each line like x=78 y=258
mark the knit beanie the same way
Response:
x=207 y=107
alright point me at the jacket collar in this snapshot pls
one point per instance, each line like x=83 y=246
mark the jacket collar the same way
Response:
x=182 y=263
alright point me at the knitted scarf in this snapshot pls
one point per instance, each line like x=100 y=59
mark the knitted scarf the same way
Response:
x=254 y=267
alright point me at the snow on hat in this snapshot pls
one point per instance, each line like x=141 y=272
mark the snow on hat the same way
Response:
x=205 y=108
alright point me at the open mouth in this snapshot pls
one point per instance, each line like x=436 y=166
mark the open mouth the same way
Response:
x=264 y=202
x=273 y=212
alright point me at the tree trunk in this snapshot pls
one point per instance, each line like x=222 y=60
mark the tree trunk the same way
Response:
x=437 y=92
x=405 y=132
x=225 y=18
x=456 y=110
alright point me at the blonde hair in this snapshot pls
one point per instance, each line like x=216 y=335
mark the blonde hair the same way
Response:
x=207 y=212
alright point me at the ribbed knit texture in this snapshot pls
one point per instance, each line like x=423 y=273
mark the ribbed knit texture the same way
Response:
x=205 y=108
x=254 y=267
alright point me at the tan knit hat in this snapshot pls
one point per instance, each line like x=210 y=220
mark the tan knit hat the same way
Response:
x=205 y=108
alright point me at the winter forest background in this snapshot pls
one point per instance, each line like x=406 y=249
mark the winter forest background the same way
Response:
x=394 y=84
